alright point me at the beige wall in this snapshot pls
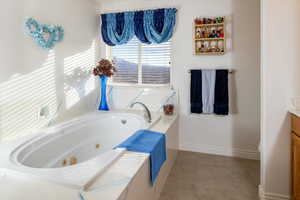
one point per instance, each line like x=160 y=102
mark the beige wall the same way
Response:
x=31 y=77
x=280 y=82
x=237 y=134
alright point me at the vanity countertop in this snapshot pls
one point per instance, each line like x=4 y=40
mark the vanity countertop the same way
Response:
x=295 y=112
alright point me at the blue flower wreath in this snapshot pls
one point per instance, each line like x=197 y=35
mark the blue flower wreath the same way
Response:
x=39 y=32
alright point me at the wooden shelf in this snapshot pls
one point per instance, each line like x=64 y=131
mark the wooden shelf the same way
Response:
x=208 y=25
x=210 y=53
x=209 y=43
x=209 y=39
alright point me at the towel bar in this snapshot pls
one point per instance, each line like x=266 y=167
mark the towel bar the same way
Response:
x=230 y=71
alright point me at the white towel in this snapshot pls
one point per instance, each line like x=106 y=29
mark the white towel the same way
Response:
x=208 y=90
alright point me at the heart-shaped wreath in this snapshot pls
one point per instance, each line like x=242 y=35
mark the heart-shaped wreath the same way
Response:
x=45 y=35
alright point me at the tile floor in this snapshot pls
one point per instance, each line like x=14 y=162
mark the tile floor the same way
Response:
x=197 y=176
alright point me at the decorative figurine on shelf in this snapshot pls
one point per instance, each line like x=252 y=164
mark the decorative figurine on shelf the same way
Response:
x=209 y=21
x=213 y=33
x=104 y=70
x=221 y=46
x=220 y=20
x=202 y=48
x=202 y=33
x=198 y=33
x=198 y=45
x=206 y=33
x=198 y=21
x=206 y=46
x=221 y=33
x=213 y=46
x=214 y=20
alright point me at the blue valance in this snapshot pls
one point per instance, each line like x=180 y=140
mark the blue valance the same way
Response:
x=150 y=26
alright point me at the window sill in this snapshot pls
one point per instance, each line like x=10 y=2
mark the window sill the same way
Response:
x=139 y=85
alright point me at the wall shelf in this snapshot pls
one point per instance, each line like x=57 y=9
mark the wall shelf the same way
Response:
x=210 y=38
x=209 y=25
x=210 y=53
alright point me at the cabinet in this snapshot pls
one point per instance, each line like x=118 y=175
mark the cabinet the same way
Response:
x=295 y=158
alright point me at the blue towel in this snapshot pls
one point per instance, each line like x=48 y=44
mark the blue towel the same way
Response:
x=146 y=141
x=196 y=92
x=221 y=106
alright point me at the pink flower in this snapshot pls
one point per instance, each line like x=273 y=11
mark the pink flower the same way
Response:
x=104 y=68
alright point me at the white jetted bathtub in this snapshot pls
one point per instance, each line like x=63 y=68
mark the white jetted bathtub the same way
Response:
x=74 y=153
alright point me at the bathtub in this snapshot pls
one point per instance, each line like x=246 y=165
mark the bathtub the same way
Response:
x=73 y=153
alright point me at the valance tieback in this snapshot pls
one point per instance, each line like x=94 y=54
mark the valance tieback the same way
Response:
x=150 y=26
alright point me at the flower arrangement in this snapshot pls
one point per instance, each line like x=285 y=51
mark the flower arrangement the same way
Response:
x=104 y=68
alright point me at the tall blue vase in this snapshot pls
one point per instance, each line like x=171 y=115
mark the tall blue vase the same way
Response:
x=103 y=103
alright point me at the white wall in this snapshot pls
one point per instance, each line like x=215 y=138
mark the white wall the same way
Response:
x=31 y=77
x=280 y=82
x=237 y=134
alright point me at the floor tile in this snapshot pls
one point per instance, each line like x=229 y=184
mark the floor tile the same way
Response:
x=197 y=176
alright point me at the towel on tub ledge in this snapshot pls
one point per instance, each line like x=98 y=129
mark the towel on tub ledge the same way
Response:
x=147 y=141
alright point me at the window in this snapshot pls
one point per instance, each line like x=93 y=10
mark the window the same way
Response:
x=139 y=63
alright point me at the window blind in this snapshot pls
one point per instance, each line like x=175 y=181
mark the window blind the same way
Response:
x=156 y=63
x=152 y=60
x=126 y=60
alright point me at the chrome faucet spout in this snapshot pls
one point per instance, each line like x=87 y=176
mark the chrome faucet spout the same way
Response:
x=148 y=115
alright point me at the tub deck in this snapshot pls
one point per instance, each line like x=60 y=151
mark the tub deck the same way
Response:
x=118 y=182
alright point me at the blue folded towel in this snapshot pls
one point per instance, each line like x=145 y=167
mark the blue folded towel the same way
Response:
x=146 y=141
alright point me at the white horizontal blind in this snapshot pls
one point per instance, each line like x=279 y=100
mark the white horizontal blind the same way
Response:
x=126 y=59
x=152 y=61
x=156 y=63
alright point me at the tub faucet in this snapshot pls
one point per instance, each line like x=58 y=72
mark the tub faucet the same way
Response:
x=147 y=111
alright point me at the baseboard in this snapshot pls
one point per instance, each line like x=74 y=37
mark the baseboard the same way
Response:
x=271 y=196
x=248 y=154
x=219 y=150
